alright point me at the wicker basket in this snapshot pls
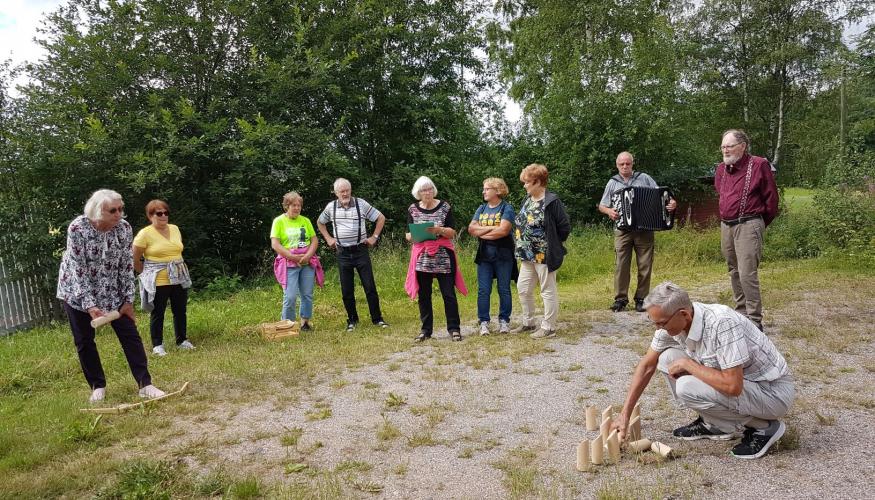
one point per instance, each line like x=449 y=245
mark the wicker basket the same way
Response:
x=279 y=330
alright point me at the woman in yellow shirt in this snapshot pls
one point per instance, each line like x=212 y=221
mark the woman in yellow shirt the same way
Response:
x=163 y=275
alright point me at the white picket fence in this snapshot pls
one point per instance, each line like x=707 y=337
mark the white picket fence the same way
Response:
x=21 y=303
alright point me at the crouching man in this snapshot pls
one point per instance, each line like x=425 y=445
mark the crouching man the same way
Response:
x=718 y=364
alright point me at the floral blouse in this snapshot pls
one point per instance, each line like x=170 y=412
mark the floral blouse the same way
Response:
x=529 y=235
x=97 y=269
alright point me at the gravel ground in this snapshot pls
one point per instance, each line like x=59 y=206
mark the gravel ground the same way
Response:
x=501 y=428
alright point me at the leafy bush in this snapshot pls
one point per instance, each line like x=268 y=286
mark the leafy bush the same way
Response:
x=845 y=219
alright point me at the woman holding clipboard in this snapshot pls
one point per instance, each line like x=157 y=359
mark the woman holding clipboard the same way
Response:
x=433 y=256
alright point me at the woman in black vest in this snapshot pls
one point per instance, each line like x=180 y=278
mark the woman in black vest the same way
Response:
x=492 y=225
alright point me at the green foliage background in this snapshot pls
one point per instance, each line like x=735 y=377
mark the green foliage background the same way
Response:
x=221 y=106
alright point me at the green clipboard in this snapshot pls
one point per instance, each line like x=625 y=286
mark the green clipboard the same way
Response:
x=418 y=231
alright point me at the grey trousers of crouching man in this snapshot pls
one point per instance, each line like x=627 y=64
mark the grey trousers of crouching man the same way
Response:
x=762 y=400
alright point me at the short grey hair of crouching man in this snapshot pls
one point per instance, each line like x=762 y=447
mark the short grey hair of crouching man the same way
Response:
x=94 y=206
x=420 y=184
x=341 y=183
x=669 y=297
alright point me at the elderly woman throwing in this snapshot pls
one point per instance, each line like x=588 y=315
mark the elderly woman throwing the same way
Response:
x=542 y=227
x=296 y=266
x=432 y=259
x=96 y=278
x=163 y=275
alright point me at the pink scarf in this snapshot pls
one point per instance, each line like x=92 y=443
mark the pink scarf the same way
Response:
x=411 y=286
x=281 y=265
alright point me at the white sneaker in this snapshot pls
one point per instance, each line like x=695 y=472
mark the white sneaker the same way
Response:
x=151 y=392
x=484 y=328
x=186 y=345
x=158 y=350
x=97 y=395
x=503 y=326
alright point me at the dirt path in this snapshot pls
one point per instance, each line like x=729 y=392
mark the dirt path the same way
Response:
x=447 y=420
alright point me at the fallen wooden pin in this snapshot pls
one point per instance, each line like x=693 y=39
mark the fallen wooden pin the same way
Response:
x=114 y=410
x=640 y=446
x=279 y=330
x=661 y=449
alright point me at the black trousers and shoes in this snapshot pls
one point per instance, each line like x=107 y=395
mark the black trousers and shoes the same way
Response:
x=178 y=297
x=350 y=260
x=447 y=285
x=89 y=358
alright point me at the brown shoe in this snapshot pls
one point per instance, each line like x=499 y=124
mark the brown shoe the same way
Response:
x=523 y=329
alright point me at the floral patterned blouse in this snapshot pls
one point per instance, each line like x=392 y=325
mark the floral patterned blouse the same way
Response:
x=529 y=236
x=97 y=269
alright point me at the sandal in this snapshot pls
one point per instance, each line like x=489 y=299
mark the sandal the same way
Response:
x=422 y=337
x=457 y=336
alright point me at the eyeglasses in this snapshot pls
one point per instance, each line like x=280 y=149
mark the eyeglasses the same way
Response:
x=426 y=189
x=114 y=210
x=159 y=213
x=729 y=146
x=661 y=324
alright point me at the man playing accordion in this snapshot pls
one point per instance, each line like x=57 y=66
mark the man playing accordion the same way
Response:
x=625 y=240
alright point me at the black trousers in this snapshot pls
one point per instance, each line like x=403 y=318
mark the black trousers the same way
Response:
x=178 y=299
x=350 y=260
x=447 y=285
x=89 y=359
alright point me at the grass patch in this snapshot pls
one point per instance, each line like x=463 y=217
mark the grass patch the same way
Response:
x=387 y=432
x=394 y=401
x=291 y=436
x=519 y=472
x=422 y=438
x=50 y=450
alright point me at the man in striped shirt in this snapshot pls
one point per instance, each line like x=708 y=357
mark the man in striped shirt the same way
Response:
x=351 y=241
x=719 y=364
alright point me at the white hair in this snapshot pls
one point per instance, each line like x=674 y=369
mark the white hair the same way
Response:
x=341 y=183
x=421 y=183
x=94 y=206
x=669 y=297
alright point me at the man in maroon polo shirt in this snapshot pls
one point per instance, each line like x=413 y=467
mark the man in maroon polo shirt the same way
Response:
x=748 y=203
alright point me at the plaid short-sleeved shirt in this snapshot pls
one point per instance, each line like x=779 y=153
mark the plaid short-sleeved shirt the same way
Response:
x=722 y=338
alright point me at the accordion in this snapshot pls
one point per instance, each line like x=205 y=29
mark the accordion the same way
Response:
x=643 y=208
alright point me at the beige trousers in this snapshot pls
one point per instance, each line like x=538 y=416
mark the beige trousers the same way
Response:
x=642 y=243
x=529 y=273
x=742 y=247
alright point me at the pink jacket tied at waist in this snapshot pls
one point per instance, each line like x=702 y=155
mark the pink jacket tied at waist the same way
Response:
x=411 y=286
x=281 y=265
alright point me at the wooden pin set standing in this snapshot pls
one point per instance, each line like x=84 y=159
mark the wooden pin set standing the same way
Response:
x=606 y=445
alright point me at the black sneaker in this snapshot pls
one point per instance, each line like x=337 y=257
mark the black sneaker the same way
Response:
x=305 y=326
x=639 y=305
x=756 y=442
x=698 y=429
x=619 y=305
x=350 y=326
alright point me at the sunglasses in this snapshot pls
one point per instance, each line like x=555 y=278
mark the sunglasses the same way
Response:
x=114 y=210
x=159 y=213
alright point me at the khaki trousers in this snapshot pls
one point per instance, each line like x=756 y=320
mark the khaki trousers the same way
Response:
x=525 y=285
x=758 y=400
x=624 y=243
x=742 y=247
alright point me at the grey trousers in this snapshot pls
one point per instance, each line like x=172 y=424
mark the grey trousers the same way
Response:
x=762 y=400
x=624 y=243
x=742 y=247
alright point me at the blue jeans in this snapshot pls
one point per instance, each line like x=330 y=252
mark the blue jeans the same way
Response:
x=299 y=280
x=501 y=270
